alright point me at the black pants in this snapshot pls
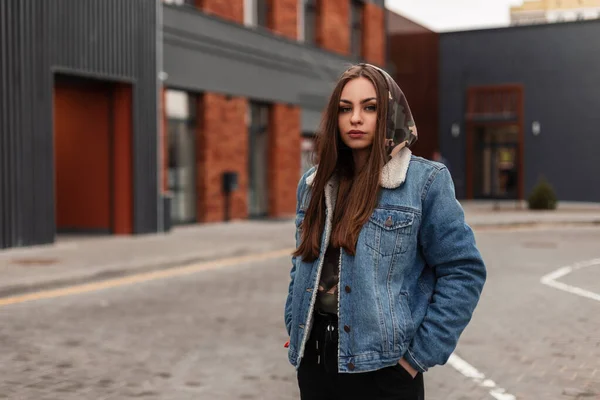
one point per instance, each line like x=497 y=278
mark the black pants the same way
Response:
x=318 y=377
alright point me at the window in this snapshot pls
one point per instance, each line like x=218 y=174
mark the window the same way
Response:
x=262 y=13
x=308 y=20
x=181 y=141
x=356 y=28
x=307 y=152
x=249 y=13
x=191 y=3
x=256 y=13
x=258 y=191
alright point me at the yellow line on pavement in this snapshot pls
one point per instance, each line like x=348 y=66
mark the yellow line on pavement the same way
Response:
x=143 y=277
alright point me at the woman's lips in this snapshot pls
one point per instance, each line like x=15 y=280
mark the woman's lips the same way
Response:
x=356 y=134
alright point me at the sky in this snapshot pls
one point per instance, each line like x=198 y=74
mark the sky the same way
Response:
x=453 y=15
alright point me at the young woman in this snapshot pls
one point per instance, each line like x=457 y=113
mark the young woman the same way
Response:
x=386 y=274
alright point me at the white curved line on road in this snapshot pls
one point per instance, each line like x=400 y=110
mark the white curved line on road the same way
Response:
x=551 y=279
x=472 y=373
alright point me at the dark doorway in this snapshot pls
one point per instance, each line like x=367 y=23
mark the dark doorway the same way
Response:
x=496 y=172
x=495 y=142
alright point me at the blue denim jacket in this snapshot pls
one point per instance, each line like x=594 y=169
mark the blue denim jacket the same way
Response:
x=414 y=282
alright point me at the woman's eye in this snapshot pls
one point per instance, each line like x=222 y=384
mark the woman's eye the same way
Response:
x=345 y=109
x=371 y=108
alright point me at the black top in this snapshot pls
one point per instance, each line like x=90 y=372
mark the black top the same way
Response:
x=327 y=295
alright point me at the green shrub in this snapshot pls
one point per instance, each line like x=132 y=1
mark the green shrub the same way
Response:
x=542 y=197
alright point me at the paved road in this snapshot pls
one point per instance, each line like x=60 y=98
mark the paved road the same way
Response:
x=218 y=334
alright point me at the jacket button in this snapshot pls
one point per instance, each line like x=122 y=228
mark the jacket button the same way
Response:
x=389 y=222
x=347 y=328
x=348 y=289
x=351 y=366
x=309 y=290
x=301 y=326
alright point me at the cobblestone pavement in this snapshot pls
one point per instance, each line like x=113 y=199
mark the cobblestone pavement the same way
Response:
x=535 y=341
x=218 y=334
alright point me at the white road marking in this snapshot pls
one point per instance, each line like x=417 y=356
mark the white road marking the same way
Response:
x=472 y=373
x=478 y=377
x=551 y=279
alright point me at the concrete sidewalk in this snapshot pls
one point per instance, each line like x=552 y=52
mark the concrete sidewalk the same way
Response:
x=494 y=214
x=79 y=259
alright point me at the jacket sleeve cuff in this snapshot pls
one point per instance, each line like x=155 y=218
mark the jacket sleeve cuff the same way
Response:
x=414 y=362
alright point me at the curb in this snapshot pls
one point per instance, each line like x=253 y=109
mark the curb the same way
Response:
x=533 y=224
x=116 y=271
x=124 y=270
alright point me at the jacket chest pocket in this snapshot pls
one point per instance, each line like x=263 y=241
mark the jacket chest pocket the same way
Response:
x=388 y=231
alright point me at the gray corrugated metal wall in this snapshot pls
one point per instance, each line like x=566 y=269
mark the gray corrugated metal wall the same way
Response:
x=26 y=193
x=109 y=39
x=558 y=67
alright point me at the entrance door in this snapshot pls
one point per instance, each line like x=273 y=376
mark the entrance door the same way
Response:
x=82 y=151
x=496 y=169
x=495 y=137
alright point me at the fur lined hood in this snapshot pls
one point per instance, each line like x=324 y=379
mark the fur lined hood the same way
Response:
x=393 y=173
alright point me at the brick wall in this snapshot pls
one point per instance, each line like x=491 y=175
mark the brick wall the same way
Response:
x=284 y=159
x=232 y=10
x=222 y=145
x=333 y=25
x=374 y=34
x=283 y=17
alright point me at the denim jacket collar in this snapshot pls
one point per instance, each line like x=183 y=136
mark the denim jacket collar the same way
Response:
x=393 y=173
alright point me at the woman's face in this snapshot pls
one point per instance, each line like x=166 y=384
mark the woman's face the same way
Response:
x=357 y=118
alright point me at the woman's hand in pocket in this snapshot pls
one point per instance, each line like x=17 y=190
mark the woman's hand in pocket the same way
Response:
x=404 y=364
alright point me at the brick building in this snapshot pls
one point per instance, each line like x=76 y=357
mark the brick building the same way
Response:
x=545 y=11
x=246 y=81
x=125 y=117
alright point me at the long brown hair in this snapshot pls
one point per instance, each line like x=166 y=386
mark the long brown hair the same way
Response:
x=358 y=190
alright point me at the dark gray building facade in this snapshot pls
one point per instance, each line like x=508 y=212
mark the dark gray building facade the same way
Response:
x=103 y=43
x=521 y=103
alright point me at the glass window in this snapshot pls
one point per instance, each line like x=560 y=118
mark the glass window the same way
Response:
x=262 y=13
x=496 y=159
x=191 y=3
x=258 y=194
x=256 y=13
x=310 y=21
x=307 y=154
x=181 y=140
x=249 y=12
x=356 y=28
